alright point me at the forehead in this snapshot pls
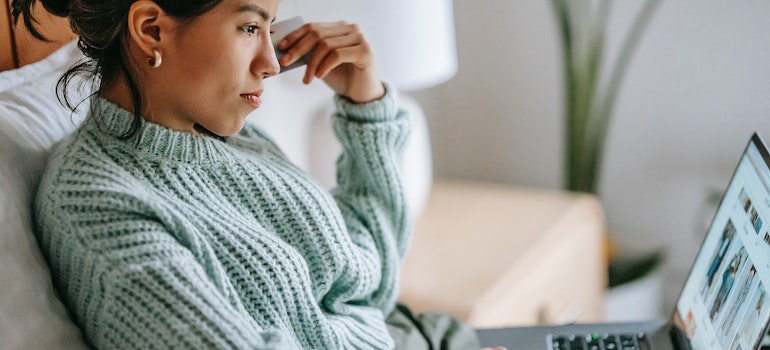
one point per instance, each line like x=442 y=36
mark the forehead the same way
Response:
x=266 y=9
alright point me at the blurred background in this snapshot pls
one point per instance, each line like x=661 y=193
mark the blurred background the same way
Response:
x=697 y=87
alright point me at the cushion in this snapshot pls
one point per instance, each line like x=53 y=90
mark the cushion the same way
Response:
x=31 y=121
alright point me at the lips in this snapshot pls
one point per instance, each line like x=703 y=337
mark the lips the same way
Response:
x=253 y=98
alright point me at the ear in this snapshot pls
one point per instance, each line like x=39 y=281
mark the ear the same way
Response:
x=147 y=25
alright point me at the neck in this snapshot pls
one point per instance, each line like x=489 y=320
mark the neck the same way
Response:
x=118 y=93
x=203 y=131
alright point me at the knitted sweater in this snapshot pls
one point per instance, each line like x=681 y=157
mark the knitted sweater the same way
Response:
x=175 y=240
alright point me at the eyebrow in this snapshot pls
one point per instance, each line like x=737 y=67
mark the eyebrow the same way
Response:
x=254 y=8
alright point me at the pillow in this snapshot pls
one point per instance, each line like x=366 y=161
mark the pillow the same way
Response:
x=31 y=121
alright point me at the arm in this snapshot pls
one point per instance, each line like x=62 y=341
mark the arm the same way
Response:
x=372 y=131
x=132 y=285
x=171 y=303
x=369 y=186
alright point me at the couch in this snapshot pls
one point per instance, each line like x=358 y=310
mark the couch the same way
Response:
x=31 y=316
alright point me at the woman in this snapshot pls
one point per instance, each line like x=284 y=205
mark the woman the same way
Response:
x=168 y=222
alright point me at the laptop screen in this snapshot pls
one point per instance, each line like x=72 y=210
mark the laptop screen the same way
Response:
x=724 y=303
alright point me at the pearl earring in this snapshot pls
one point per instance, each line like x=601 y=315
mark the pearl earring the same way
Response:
x=155 y=63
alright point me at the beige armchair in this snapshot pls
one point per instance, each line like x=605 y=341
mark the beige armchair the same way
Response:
x=497 y=255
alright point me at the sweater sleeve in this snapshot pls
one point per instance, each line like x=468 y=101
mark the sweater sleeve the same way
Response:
x=369 y=189
x=132 y=285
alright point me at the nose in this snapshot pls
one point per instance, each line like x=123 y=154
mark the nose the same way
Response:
x=266 y=63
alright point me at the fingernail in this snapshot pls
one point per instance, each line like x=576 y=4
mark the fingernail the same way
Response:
x=281 y=44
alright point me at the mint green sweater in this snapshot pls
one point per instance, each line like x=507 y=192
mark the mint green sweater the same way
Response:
x=173 y=240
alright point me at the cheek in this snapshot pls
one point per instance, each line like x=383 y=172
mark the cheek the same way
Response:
x=207 y=75
x=198 y=59
x=220 y=65
x=207 y=53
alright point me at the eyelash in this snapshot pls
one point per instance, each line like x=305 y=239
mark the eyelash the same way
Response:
x=251 y=29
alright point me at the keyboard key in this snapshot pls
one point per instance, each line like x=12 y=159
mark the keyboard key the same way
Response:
x=595 y=345
x=560 y=343
x=596 y=341
x=610 y=342
x=577 y=343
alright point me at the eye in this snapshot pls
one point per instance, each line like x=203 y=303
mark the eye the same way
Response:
x=250 y=29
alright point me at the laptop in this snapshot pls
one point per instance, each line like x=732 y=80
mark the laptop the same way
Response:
x=724 y=301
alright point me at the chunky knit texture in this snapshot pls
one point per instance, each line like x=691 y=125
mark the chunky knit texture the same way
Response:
x=174 y=240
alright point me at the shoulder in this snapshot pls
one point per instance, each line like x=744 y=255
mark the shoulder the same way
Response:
x=88 y=204
x=83 y=159
x=81 y=174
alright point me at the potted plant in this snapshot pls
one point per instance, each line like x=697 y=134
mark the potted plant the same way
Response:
x=591 y=86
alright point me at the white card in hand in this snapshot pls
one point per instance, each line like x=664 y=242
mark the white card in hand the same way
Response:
x=279 y=31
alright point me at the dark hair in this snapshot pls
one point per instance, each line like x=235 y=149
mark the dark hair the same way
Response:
x=101 y=26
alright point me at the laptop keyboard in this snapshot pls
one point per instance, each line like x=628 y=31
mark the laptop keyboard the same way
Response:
x=596 y=341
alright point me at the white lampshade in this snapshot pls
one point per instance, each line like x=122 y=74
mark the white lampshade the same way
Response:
x=414 y=45
x=413 y=40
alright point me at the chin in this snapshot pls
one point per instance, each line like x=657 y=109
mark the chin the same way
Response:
x=232 y=130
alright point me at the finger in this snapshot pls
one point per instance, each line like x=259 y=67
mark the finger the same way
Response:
x=327 y=27
x=338 y=57
x=330 y=46
x=332 y=52
x=301 y=41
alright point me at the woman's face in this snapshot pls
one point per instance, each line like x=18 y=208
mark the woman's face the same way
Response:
x=213 y=68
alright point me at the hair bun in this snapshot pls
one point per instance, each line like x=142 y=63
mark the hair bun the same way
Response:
x=59 y=8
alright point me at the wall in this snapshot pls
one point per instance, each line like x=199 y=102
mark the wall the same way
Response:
x=698 y=86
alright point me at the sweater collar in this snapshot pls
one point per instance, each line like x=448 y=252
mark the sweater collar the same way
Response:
x=155 y=139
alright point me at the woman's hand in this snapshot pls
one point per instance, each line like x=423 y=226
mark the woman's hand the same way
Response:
x=340 y=55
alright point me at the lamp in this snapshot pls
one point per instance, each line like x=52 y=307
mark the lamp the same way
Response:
x=414 y=46
x=413 y=41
